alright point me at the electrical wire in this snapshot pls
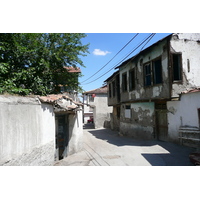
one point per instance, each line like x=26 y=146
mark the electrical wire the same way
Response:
x=113 y=57
x=148 y=38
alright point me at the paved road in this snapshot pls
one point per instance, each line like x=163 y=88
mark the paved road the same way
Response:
x=104 y=147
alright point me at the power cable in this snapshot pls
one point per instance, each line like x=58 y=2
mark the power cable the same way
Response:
x=148 y=38
x=113 y=57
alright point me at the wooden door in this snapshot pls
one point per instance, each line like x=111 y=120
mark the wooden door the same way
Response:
x=162 y=124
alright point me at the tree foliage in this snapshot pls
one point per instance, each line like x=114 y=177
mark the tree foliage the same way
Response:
x=32 y=63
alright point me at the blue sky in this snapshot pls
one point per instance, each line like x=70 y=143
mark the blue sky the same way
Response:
x=103 y=47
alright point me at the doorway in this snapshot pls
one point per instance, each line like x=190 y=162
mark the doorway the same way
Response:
x=62 y=136
x=161 y=121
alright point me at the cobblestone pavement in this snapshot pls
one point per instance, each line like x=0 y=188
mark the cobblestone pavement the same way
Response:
x=104 y=147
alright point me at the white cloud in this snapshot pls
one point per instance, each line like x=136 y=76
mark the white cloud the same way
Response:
x=99 y=52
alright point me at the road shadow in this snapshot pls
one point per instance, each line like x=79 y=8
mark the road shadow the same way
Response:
x=178 y=155
x=88 y=126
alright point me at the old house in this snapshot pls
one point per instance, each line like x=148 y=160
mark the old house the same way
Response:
x=97 y=100
x=68 y=124
x=39 y=130
x=145 y=91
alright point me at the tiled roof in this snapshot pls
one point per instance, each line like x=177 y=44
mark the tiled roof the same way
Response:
x=102 y=90
x=60 y=101
x=73 y=69
x=191 y=91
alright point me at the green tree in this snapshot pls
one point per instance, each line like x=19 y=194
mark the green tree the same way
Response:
x=33 y=63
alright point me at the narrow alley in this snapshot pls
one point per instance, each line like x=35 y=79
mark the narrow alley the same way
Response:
x=104 y=147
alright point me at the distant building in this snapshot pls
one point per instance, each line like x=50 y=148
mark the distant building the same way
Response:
x=96 y=106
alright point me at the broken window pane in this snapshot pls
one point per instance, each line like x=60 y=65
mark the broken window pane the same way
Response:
x=157 y=69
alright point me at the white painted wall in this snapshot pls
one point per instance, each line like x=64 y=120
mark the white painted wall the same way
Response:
x=102 y=110
x=27 y=131
x=76 y=132
x=183 y=113
x=189 y=45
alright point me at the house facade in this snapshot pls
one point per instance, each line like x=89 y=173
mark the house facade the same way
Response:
x=97 y=100
x=146 y=85
x=37 y=131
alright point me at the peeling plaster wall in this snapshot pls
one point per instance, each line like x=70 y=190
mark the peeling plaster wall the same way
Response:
x=189 y=45
x=183 y=113
x=141 y=92
x=27 y=131
x=140 y=125
x=76 y=132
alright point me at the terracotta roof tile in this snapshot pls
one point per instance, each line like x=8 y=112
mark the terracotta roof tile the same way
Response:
x=73 y=69
x=191 y=91
x=102 y=90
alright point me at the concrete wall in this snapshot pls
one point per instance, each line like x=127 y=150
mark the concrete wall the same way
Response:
x=27 y=131
x=183 y=113
x=140 y=123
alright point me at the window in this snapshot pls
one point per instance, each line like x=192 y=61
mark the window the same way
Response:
x=113 y=88
x=124 y=82
x=147 y=74
x=128 y=111
x=177 y=67
x=157 y=71
x=132 y=79
x=110 y=90
x=91 y=98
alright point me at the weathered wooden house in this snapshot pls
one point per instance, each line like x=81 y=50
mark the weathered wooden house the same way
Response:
x=147 y=86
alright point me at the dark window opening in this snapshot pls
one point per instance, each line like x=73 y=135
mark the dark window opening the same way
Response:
x=124 y=82
x=132 y=79
x=157 y=69
x=110 y=90
x=176 y=58
x=147 y=71
x=113 y=88
x=118 y=87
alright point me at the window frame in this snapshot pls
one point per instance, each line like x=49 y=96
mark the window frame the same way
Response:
x=146 y=75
